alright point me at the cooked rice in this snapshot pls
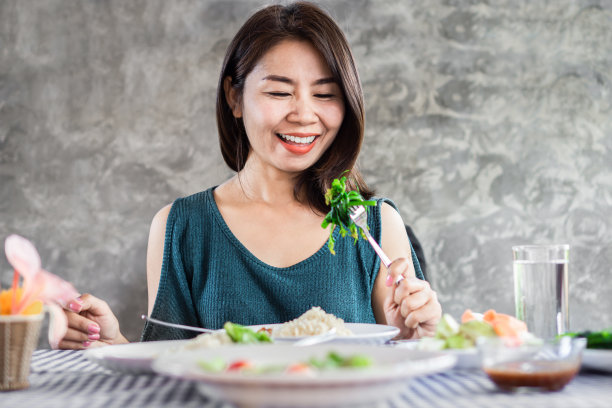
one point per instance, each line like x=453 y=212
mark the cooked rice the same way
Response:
x=312 y=322
x=209 y=340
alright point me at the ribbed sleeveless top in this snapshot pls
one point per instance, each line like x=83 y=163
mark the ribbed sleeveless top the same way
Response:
x=208 y=277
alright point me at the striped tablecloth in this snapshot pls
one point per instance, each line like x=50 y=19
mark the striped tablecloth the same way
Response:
x=65 y=379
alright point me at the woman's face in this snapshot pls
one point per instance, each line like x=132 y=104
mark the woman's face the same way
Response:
x=291 y=107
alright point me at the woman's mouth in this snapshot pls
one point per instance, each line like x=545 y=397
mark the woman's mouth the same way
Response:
x=297 y=139
x=298 y=144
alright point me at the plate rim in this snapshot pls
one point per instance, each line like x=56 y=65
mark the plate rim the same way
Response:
x=387 y=332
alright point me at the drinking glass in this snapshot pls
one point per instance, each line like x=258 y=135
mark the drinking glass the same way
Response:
x=541 y=288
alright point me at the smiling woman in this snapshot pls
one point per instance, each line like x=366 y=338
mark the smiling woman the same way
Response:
x=291 y=104
x=252 y=251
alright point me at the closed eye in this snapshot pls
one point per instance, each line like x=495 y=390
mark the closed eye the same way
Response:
x=324 y=96
x=278 y=94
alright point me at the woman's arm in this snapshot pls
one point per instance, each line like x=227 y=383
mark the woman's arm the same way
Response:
x=412 y=305
x=155 y=253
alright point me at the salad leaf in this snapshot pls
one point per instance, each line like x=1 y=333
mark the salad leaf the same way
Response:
x=242 y=334
x=475 y=329
x=216 y=365
x=340 y=202
x=335 y=360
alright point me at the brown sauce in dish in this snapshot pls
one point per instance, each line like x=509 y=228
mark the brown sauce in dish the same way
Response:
x=549 y=375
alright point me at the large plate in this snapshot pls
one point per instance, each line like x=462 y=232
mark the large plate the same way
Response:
x=137 y=357
x=134 y=357
x=386 y=378
x=466 y=358
x=597 y=359
x=364 y=333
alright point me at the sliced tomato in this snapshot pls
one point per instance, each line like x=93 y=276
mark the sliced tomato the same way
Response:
x=239 y=365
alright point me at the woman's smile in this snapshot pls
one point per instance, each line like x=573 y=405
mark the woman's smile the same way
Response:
x=298 y=143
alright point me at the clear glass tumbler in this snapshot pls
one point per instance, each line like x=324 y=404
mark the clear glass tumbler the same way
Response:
x=541 y=288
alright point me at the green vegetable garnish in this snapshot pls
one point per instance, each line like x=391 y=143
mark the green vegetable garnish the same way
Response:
x=242 y=334
x=216 y=365
x=595 y=340
x=335 y=360
x=341 y=202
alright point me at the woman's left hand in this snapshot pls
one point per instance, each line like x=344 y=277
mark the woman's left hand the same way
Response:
x=410 y=305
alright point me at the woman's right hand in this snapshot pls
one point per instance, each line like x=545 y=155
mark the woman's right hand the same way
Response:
x=91 y=323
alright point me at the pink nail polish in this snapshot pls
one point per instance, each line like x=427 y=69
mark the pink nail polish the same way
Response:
x=86 y=344
x=75 y=306
x=94 y=336
x=389 y=280
x=93 y=328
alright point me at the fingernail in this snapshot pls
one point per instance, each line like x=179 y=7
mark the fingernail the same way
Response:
x=74 y=306
x=86 y=343
x=94 y=336
x=389 y=280
x=93 y=328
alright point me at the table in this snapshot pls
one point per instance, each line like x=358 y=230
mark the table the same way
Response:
x=63 y=378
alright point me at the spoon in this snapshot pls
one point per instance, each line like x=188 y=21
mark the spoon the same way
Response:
x=176 y=326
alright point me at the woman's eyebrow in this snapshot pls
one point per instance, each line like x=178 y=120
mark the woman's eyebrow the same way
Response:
x=286 y=80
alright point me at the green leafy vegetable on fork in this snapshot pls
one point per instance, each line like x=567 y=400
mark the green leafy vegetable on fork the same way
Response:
x=340 y=202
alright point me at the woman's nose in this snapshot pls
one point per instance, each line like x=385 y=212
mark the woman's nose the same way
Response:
x=302 y=111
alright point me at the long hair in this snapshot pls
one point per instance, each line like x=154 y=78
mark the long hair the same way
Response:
x=263 y=30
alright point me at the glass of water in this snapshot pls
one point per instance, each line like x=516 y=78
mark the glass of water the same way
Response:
x=541 y=288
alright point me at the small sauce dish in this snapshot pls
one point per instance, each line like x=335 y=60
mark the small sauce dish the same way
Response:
x=547 y=366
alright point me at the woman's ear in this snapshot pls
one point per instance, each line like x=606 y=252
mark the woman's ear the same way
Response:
x=231 y=96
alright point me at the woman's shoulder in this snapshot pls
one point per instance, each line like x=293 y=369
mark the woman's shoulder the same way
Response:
x=183 y=207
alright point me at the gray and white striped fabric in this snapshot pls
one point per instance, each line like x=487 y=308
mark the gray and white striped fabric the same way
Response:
x=67 y=379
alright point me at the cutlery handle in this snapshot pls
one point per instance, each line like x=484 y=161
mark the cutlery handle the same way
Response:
x=381 y=254
x=176 y=326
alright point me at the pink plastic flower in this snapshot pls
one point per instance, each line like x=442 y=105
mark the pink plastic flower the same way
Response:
x=39 y=285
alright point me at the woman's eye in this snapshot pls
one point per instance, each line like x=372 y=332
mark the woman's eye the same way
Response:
x=278 y=94
x=324 y=96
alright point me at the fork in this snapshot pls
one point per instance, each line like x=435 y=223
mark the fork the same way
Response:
x=176 y=326
x=359 y=215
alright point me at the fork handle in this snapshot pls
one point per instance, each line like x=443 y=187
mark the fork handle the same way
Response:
x=381 y=254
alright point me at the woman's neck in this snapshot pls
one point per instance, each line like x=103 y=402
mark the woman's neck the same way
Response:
x=265 y=184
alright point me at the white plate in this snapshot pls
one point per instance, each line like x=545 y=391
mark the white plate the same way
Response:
x=364 y=333
x=597 y=359
x=132 y=358
x=384 y=380
x=466 y=358
x=137 y=357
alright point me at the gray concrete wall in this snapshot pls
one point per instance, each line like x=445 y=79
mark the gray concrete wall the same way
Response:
x=488 y=122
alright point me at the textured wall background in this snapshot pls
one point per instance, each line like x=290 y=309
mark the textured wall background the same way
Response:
x=489 y=123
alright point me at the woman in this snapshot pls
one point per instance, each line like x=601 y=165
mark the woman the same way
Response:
x=290 y=117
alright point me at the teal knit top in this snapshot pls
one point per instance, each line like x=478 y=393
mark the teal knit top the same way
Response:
x=208 y=277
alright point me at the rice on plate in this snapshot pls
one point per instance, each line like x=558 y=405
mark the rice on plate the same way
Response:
x=314 y=321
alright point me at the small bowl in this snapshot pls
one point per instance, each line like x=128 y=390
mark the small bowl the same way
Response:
x=549 y=365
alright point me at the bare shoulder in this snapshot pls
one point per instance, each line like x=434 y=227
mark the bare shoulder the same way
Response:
x=393 y=236
x=391 y=219
x=162 y=215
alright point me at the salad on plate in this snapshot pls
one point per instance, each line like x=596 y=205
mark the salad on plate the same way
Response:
x=451 y=334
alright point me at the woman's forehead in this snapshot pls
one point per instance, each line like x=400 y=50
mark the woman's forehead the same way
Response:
x=291 y=58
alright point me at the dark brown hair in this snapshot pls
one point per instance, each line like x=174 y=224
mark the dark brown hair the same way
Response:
x=306 y=22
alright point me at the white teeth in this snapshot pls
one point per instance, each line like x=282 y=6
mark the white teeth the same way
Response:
x=304 y=140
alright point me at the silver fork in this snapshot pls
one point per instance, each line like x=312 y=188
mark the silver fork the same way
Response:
x=176 y=326
x=359 y=215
